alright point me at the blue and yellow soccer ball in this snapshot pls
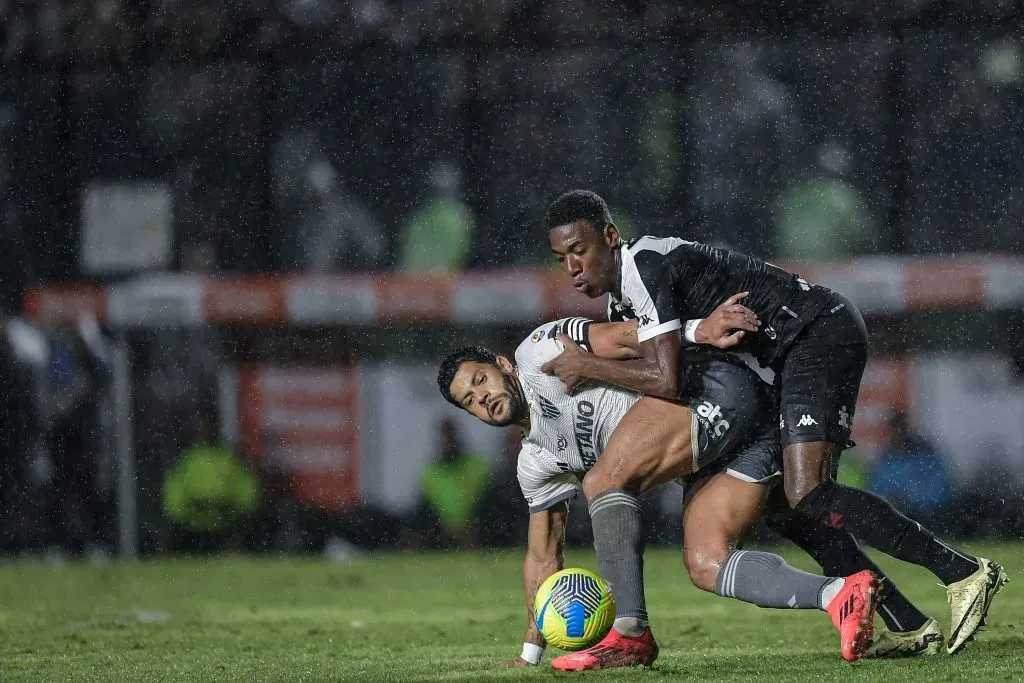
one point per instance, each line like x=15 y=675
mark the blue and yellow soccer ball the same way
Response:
x=574 y=609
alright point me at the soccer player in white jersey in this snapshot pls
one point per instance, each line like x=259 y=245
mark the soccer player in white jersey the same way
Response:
x=717 y=437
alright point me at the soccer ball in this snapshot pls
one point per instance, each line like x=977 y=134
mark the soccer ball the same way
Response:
x=574 y=609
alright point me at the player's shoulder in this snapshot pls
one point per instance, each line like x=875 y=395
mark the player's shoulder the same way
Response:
x=650 y=246
x=651 y=256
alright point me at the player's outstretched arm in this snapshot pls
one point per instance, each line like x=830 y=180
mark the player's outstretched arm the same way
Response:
x=544 y=545
x=656 y=373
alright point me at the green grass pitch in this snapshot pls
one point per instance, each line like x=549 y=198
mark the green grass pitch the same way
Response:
x=434 y=617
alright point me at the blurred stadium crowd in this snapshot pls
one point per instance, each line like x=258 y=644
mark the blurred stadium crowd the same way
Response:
x=340 y=136
x=328 y=135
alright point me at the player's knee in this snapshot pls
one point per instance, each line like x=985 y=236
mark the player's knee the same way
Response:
x=596 y=483
x=798 y=485
x=702 y=568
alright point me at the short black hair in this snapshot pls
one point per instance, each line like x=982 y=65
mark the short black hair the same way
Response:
x=450 y=365
x=578 y=205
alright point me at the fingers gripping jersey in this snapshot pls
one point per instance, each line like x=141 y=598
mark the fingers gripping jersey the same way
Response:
x=567 y=432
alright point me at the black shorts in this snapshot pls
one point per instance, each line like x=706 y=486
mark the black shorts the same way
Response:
x=819 y=377
x=733 y=424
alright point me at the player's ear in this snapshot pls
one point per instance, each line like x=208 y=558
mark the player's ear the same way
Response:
x=611 y=236
x=505 y=364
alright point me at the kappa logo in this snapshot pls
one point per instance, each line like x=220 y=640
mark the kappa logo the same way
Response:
x=547 y=408
x=806 y=421
x=844 y=418
x=713 y=414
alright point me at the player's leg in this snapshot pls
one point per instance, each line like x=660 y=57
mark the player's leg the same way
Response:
x=718 y=513
x=908 y=631
x=658 y=441
x=819 y=381
x=716 y=518
x=647 y=448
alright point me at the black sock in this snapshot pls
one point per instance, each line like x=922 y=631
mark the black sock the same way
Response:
x=880 y=525
x=838 y=554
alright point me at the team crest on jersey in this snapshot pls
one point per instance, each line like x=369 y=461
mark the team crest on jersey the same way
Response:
x=563 y=443
x=536 y=336
x=547 y=408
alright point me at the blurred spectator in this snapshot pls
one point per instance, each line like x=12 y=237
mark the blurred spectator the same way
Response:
x=745 y=127
x=333 y=229
x=437 y=237
x=911 y=475
x=209 y=495
x=79 y=367
x=23 y=353
x=454 y=486
x=340 y=233
x=824 y=217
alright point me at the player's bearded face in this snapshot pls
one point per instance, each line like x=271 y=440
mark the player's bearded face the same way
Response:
x=586 y=255
x=489 y=393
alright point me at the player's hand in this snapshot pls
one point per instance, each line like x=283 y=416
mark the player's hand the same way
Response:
x=727 y=324
x=568 y=364
x=517 y=663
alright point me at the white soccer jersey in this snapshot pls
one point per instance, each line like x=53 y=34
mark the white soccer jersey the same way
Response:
x=567 y=432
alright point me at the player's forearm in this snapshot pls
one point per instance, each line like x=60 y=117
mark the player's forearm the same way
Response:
x=535 y=570
x=643 y=375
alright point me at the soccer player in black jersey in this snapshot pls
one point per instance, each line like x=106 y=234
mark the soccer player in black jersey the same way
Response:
x=812 y=338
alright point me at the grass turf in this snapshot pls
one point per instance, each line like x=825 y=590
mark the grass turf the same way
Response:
x=439 y=617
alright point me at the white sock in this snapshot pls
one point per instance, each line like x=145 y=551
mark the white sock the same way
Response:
x=829 y=591
x=630 y=626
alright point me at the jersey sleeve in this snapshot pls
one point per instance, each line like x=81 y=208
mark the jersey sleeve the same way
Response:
x=577 y=329
x=542 y=484
x=647 y=284
x=541 y=346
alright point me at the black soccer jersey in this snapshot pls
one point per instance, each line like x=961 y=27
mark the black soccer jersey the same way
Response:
x=667 y=281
